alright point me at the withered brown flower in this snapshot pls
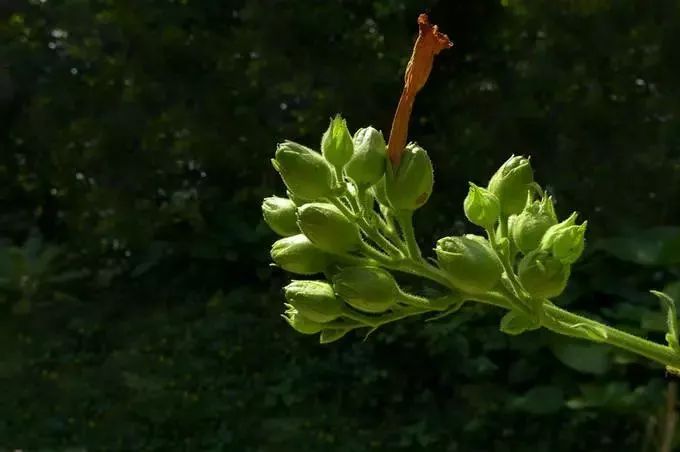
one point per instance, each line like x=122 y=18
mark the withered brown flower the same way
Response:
x=429 y=43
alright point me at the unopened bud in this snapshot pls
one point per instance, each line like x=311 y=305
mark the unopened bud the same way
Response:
x=367 y=165
x=528 y=228
x=336 y=143
x=511 y=183
x=279 y=214
x=543 y=275
x=304 y=171
x=470 y=262
x=315 y=300
x=368 y=289
x=481 y=207
x=300 y=323
x=565 y=240
x=409 y=186
x=328 y=228
x=297 y=254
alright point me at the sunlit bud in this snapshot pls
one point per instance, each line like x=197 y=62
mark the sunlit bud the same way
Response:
x=328 y=228
x=304 y=171
x=315 y=300
x=279 y=214
x=529 y=226
x=336 y=143
x=565 y=240
x=470 y=262
x=511 y=183
x=543 y=275
x=300 y=323
x=481 y=207
x=409 y=186
x=368 y=289
x=367 y=165
x=297 y=254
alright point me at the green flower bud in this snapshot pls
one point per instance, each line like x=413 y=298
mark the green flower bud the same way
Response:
x=328 y=228
x=543 y=275
x=300 y=323
x=297 y=254
x=368 y=289
x=565 y=240
x=305 y=172
x=528 y=228
x=481 y=207
x=410 y=185
x=336 y=143
x=367 y=165
x=470 y=262
x=279 y=214
x=315 y=300
x=511 y=183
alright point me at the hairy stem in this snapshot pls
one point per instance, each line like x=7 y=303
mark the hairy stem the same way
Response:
x=651 y=350
x=405 y=220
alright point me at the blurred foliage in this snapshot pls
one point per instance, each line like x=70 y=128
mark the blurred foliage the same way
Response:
x=139 y=310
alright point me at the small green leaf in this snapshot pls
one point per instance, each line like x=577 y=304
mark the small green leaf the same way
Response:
x=332 y=334
x=671 y=319
x=514 y=323
x=594 y=332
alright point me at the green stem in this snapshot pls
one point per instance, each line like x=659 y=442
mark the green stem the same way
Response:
x=389 y=231
x=377 y=321
x=389 y=221
x=651 y=350
x=504 y=226
x=554 y=318
x=405 y=220
x=559 y=320
x=522 y=297
x=368 y=229
x=371 y=252
x=422 y=302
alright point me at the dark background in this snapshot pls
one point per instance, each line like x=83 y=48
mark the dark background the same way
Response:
x=139 y=308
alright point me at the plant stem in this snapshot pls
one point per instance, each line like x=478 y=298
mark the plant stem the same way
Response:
x=422 y=302
x=552 y=317
x=504 y=226
x=523 y=302
x=560 y=320
x=368 y=229
x=405 y=220
x=670 y=418
x=377 y=321
x=651 y=350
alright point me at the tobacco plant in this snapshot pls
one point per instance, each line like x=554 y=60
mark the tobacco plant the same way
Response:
x=348 y=223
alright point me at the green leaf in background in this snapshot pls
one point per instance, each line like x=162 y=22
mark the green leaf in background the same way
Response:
x=654 y=246
x=540 y=400
x=587 y=358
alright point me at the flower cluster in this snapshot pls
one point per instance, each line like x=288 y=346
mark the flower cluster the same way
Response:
x=347 y=227
x=348 y=217
x=339 y=220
